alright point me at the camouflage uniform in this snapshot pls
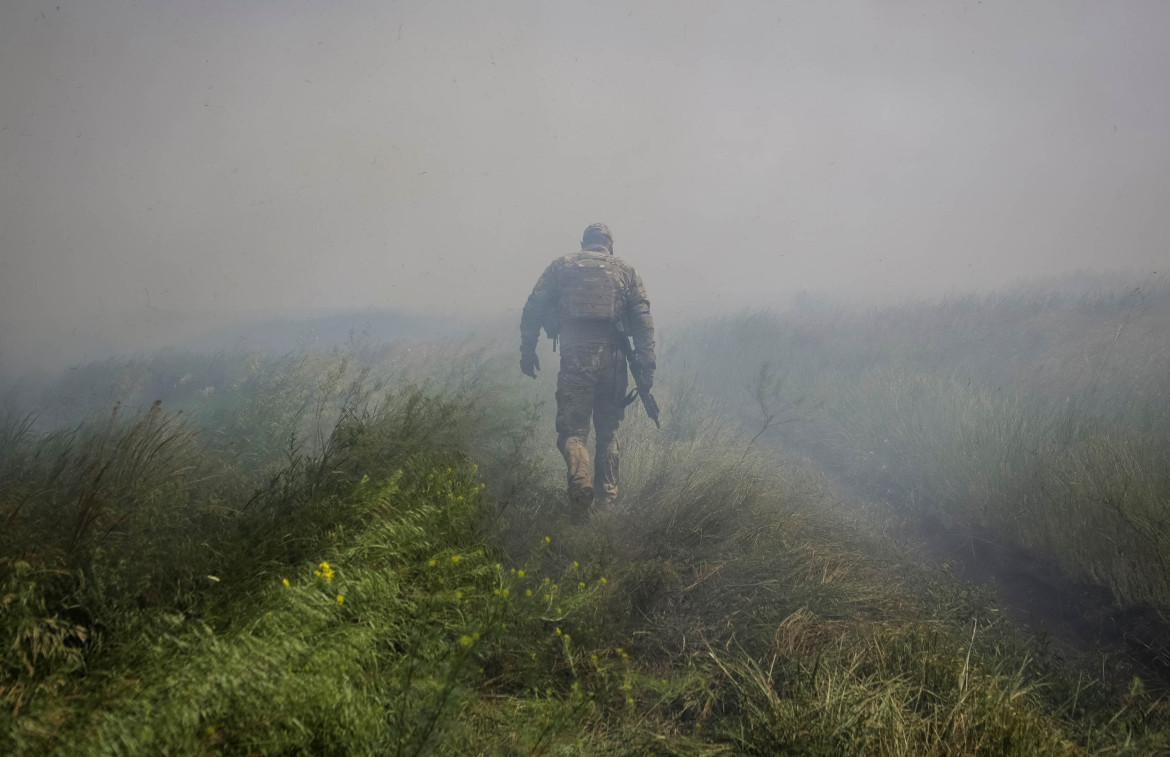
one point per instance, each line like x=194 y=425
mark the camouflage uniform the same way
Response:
x=572 y=297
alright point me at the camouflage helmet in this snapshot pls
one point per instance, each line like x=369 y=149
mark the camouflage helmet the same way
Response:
x=596 y=233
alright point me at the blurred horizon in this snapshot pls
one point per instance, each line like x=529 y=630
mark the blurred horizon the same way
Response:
x=54 y=346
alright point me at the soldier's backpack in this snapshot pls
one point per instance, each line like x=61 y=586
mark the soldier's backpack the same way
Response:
x=591 y=288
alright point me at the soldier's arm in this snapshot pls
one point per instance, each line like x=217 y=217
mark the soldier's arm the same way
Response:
x=639 y=323
x=539 y=302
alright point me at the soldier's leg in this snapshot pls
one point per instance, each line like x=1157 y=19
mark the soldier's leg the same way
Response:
x=608 y=411
x=605 y=468
x=574 y=408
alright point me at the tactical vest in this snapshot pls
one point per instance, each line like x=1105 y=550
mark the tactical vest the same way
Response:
x=591 y=288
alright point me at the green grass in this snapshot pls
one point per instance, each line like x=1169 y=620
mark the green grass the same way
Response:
x=439 y=601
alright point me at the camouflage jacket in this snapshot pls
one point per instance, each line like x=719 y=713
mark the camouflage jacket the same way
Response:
x=546 y=307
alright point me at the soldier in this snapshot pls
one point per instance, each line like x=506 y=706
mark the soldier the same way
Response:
x=583 y=299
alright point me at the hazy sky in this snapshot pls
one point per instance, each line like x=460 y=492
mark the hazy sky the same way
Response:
x=170 y=157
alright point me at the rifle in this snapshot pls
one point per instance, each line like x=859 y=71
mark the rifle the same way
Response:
x=641 y=389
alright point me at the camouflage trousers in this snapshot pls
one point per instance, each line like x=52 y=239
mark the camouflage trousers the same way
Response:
x=592 y=382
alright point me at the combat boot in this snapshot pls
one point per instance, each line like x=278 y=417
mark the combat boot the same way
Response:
x=602 y=505
x=580 y=504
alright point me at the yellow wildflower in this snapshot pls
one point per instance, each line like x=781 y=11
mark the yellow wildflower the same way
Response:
x=465 y=641
x=284 y=581
x=340 y=599
x=519 y=574
x=580 y=584
x=528 y=592
x=454 y=558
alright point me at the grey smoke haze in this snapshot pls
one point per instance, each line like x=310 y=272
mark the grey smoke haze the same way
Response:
x=170 y=163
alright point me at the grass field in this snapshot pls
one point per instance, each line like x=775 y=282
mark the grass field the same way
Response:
x=1042 y=417
x=368 y=554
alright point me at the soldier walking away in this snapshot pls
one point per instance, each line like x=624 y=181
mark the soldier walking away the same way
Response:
x=591 y=301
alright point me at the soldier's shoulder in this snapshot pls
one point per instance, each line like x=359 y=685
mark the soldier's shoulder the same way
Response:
x=577 y=256
x=623 y=265
x=559 y=262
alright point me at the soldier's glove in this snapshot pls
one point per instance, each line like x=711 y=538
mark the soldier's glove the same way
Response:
x=529 y=364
